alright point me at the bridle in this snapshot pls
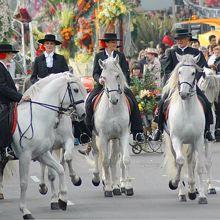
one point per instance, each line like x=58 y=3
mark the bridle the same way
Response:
x=108 y=91
x=191 y=85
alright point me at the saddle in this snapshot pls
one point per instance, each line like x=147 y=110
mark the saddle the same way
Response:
x=97 y=99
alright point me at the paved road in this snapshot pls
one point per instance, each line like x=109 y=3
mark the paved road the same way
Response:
x=152 y=198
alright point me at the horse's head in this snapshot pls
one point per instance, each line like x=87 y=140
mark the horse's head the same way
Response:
x=186 y=71
x=74 y=97
x=113 y=77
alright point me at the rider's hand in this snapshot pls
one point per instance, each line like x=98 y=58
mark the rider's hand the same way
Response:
x=26 y=98
x=101 y=81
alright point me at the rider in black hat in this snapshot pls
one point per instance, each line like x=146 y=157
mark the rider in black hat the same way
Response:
x=49 y=62
x=110 y=40
x=8 y=96
x=183 y=37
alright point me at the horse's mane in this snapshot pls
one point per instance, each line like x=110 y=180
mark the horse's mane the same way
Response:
x=115 y=67
x=37 y=87
x=172 y=84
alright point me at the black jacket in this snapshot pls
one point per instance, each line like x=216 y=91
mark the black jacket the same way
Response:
x=40 y=67
x=171 y=60
x=97 y=71
x=8 y=91
x=217 y=64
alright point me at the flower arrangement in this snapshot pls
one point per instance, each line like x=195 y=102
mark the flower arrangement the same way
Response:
x=66 y=33
x=146 y=92
x=111 y=9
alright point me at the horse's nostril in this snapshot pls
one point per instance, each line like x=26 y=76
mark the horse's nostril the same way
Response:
x=83 y=115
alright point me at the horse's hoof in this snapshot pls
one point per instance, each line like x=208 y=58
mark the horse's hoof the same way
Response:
x=197 y=192
x=122 y=189
x=171 y=186
x=62 y=204
x=192 y=196
x=54 y=206
x=182 y=198
x=95 y=183
x=202 y=200
x=43 y=189
x=78 y=183
x=108 y=194
x=210 y=191
x=116 y=192
x=1 y=196
x=28 y=216
x=129 y=192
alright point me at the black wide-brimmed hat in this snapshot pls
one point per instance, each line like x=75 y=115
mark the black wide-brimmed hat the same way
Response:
x=182 y=33
x=49 y=37
x=6 y=48
x=109 y=37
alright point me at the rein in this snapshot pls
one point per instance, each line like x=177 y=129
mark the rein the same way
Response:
x=59 y=109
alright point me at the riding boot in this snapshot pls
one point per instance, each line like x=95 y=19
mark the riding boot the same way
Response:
x=135 y=118
x=160 y=120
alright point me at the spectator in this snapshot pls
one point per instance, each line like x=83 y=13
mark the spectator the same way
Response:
x=212 y=44
x=136 y=70
x=205 y=52
x=195 y=43
x=216 y=54
x=167 y=39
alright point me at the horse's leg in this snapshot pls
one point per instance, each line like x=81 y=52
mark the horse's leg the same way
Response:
x=200 y=170
x=177 y=147
x=48 y=160
x=191 y=160
x=115 y=155
x=2 y=166
x=76 y=180
x=182 y=192
x=42 y=186
x=54 y=198
x=124 y=144
x=104 y=145
x=208 y=164
x=96 y=172
x=24 y=165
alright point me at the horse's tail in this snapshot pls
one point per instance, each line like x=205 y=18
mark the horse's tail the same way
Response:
x=10 y=170
x=169 y=160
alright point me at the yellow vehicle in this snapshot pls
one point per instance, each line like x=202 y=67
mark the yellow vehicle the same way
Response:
x=202 y=28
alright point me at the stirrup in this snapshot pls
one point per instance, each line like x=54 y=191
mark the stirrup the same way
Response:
x=84 y=135
x=9 y=153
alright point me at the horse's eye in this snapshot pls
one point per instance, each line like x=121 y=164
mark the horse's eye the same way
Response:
x=117 y=77
x=193 y=73
x=76 y=90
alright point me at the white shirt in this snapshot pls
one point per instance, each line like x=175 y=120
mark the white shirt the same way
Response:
x=49 y=59
x=109 y=55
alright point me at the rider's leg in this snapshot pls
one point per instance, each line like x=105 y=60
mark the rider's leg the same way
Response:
x=208 y=114
x=89 y=116
x=5 y=133
x=136 y=121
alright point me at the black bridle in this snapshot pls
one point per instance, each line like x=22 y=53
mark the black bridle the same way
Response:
x=108 y=91
x=191 y=85
x=59 y=109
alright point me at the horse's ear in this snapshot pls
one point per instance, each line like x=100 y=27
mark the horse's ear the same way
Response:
x=101 y=63
x=197 y=58
x=179 y=57
x=116 y=59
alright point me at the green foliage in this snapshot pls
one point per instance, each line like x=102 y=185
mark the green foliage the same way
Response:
x=150 y=30
x=145 y=91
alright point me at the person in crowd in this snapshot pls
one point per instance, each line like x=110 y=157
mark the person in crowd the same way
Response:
x=136 y=70
x=167 y=39
x=142 y=59
x=49 y=62
x=141 y=55
x=8 y=96
x=212 y=44
x=161 y=49
x=216 y=54
x=153 y=65
x=111 y=50
x=182 y=37
x=195 y=43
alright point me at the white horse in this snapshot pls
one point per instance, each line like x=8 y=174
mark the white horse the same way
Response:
x=35 y=133
x=185 y=125
x=111 y=136
x=210 y=85
x=64 y=145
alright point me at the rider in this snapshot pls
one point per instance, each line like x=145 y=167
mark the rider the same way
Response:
x=8 y=96
x=182 y=37
x=110 y=40
x=49 y=62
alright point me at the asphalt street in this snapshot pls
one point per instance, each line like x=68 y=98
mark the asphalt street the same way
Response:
x=152 y=198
